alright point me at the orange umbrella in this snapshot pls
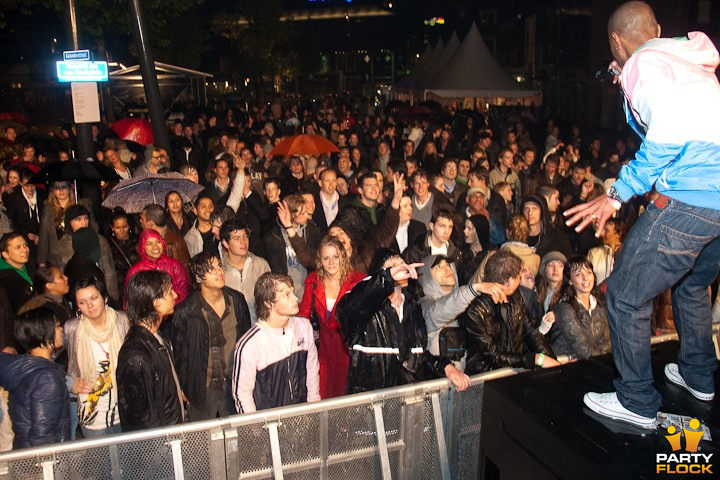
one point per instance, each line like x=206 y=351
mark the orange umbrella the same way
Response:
x=304 y=145
x=136 y=130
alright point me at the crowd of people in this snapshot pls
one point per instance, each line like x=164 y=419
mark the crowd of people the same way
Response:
x=423 y=249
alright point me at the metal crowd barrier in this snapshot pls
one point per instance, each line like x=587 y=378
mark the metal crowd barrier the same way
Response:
x=421 y=431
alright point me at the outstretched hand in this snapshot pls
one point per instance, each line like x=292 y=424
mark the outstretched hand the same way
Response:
x=596 y=211
x=403 y=271
x=284 y=214
x=398 y=189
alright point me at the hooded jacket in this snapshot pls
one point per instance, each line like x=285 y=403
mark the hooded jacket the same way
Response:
x=96 y=260
x=39 y=403
x=180 y=280
x=440 y=309
x=550 y=239
x=471 y=261
x=384 y=351
x=672 y=100
x=525 y=253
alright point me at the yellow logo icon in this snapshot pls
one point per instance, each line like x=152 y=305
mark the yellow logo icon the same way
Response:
x=692 y=437
x=684 y=463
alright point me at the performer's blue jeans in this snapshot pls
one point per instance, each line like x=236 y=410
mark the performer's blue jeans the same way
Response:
x=677 y=247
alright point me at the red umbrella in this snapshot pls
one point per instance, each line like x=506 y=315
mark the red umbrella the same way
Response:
x=18 y=117
x=417 y=111
x=136 y=130
x=304 y=145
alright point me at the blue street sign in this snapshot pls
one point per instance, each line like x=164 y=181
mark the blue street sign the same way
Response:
x=71 y=55
x=82 y=71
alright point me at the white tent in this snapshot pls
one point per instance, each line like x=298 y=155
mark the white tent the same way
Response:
x=473 y=72
x=409 y=79
x=428 y=71
x=409 y=83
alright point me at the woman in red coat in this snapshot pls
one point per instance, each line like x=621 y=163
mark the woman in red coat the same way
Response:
x=153 y=256
x=333 y=277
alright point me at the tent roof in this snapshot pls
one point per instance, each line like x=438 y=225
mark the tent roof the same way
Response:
x=430 y=70
x=410 y=82
x=164 y=71
x=474 y=72
x=421 y=61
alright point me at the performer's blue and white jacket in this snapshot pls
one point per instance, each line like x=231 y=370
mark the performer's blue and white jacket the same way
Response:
x=673 y=101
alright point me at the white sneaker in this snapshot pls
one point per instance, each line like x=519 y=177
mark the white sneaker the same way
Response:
x=672 y=373
x=607 y=405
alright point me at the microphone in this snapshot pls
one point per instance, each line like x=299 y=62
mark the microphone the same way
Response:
x=606 y=72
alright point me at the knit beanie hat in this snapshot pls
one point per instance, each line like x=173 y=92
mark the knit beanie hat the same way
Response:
x=553 y=256
x=86 y=244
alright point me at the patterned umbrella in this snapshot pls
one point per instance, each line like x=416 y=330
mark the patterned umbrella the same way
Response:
x=134 y=194
x=304 y=145
x=136 y=130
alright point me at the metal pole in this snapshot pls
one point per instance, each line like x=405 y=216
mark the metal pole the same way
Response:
x=149 y=76
x=85 y=145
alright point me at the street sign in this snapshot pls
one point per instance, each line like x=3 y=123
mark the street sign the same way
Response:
x=74 y=55
x=74 y=71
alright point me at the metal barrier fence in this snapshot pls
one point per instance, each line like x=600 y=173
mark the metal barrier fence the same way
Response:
x=421 y=431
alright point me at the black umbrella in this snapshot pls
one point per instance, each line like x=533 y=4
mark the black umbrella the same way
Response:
x=74 y=170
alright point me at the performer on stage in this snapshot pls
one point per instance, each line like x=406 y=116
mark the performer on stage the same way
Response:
x=672 y=99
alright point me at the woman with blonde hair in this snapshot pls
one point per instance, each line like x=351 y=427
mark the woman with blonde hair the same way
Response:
x=333 y=277
x=94 y=339
x=55 y=243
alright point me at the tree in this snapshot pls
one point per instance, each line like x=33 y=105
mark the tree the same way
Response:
x=261 y=38
x=105 y=26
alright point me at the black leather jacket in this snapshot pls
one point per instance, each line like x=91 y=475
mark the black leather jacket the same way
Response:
x=500 y=335
x=368 y=319
x=579 y=333
x=190 y=336
x=147 y=394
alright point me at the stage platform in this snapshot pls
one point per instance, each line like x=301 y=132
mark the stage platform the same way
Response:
x=535 y=425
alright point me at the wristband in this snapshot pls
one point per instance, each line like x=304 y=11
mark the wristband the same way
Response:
x=288 y=228
x=540 y=360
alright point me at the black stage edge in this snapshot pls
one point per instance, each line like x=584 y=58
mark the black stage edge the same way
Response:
x=535 y=425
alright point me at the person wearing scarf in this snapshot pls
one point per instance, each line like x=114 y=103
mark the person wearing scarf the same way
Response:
x=94 y=339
